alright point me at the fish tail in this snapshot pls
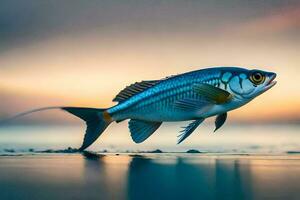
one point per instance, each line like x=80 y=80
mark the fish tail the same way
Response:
x=97 y=120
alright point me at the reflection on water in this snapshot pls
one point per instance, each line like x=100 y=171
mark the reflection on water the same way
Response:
x=149 y=177
x=206 y=179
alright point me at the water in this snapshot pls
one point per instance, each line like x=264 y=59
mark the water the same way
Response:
x=229 y=139
x=149 y=176
x=243 y=162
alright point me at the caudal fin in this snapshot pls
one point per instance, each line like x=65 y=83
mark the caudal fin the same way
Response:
x=96 y=120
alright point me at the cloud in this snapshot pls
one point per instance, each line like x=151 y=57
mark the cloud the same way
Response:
x=35 y=20
x=282 y=20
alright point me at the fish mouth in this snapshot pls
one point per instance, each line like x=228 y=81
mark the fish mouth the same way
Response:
x=271 y=82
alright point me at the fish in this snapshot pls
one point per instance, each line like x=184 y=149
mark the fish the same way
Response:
x=192 y=96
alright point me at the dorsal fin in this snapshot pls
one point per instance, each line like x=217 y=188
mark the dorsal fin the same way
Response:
x=134 y=89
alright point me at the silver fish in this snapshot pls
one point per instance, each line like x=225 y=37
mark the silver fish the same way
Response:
x=195 y=96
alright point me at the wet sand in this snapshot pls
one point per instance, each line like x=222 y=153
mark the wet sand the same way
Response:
x=149 y=176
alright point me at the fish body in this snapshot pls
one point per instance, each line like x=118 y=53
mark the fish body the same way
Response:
x=157 y=102
x=194 y=96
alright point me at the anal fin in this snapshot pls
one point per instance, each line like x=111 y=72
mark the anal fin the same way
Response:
x=141 y=130
x=189 y=130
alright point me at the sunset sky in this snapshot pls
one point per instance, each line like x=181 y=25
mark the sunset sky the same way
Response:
x=82 y=53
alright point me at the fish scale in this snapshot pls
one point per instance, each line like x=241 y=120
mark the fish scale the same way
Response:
x=161 y=98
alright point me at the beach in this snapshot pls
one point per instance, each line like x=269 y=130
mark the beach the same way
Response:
x=149 y=176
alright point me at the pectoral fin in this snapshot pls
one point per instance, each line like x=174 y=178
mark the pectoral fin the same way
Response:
x=212 y=93
x=141 y=130
x=189 y=130
x=220 y=120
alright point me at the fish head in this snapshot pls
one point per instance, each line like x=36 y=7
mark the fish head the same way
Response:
x=247 y=84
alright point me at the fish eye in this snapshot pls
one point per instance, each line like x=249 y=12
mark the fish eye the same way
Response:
x=257 y=78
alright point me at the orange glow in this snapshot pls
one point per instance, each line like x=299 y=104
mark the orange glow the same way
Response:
x=88 y=68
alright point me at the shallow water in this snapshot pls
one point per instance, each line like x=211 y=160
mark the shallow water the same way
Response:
x=149 y=176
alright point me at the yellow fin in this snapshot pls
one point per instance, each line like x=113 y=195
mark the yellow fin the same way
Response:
x=212 y=93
